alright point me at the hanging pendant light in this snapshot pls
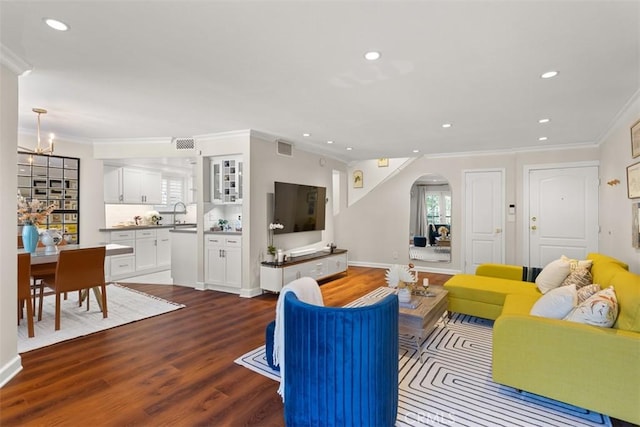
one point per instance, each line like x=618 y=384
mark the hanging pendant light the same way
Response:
x=39 y=149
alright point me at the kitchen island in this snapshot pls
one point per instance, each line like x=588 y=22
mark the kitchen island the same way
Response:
x=222 y=263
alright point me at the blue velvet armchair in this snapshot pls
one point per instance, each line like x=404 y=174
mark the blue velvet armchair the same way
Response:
x=341 y=364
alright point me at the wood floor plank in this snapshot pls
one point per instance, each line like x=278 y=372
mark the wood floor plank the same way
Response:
x=172 y=369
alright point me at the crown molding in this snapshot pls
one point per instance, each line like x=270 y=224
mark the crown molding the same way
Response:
x=12 y=61
x=158 y=140
x=222 y=135
x=612 y=125
x=557 y=147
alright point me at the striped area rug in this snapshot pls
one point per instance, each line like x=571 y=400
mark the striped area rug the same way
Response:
x=453 y=386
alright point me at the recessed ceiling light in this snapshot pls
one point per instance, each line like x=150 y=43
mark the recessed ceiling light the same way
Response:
x=544 y=120
x=306 y=134
x=416 y=151
x=329 y=142
x=542 y=138
x=55 y=24
x=446 y=125
x=549 y=74
x=372 y=55
x=349 y=148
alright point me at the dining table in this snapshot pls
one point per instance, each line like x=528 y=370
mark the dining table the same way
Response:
x=44 y=255
x=44 y=259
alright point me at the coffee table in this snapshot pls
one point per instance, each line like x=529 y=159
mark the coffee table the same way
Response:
x=420 y=321
x=416 y=322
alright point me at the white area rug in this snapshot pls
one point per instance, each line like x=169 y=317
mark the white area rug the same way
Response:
x=124 y=306
x=453 y=386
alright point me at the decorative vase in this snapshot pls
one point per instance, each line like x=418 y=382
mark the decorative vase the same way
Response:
x=50 y=238
x=404 y=295
x=30 y=237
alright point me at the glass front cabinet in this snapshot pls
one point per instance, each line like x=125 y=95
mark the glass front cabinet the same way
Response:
x=53 y=179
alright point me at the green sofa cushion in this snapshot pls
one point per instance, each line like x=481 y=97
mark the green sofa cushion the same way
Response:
x=503 y=271
x=489 y=290
x=627 y=288
x=604 y=268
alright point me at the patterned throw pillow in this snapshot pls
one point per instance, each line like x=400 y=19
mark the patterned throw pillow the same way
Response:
x=586 y=292
x=600 y=309
x=580 y=277
x=574 y=263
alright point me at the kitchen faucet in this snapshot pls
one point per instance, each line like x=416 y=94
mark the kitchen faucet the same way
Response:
x=184 y=211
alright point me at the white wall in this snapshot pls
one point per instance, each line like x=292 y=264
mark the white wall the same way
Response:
x=10 y=363
x=376 y=228
x=615 y=206
x=303 y=168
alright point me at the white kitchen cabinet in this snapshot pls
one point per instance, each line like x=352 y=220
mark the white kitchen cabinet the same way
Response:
x=319 y=265
x=145 y=250
x=152 y=252
x=141 y=186
x=226 y=180
x=131 y=185
x=120 y=266
x=223 y=260
x=163 y=247
x=112 y=184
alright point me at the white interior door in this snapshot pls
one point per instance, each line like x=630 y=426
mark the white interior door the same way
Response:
x=484 y=218
x=563 y=213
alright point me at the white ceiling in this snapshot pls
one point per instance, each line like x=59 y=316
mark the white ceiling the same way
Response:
x=138 y=69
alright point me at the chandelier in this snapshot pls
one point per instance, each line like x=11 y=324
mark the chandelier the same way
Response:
x=39 y=149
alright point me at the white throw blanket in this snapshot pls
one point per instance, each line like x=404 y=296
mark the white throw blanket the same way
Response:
x=308 y=291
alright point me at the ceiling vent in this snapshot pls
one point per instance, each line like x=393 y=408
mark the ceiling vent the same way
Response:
x=284 y=148
x=185 y=143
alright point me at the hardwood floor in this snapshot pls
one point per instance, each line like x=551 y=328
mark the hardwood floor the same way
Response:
x=173 y=369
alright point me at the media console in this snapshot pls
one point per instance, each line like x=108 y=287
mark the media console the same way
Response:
x=318 y=265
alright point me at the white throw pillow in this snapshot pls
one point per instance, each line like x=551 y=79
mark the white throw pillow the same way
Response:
x=556 y=303
x=552 y=275
x=600 y=309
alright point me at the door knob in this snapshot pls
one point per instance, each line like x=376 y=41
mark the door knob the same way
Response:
x=533 y=218
x=533 y=227
x=498 y=230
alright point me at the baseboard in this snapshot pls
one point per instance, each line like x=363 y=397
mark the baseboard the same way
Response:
x=250 y=293
x=10 y=370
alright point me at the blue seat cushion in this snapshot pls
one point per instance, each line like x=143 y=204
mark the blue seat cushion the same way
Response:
x=268 y=339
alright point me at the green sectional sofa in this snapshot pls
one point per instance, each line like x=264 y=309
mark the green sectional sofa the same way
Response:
x=588 y=366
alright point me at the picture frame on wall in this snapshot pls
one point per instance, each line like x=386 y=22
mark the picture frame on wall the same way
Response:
x=635 y=140
x=635 y=226
x=358 y=179
x=633 y=181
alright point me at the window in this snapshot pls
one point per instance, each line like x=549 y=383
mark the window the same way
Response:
x=438 y=207
x=172 y=190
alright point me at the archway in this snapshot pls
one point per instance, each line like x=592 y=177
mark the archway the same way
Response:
x=430 y=219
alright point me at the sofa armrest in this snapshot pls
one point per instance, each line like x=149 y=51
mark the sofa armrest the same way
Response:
x=502 y=271
x=587 y=366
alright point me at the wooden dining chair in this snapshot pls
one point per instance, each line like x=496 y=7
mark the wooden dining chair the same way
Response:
x=77 y=270
x=24 y=291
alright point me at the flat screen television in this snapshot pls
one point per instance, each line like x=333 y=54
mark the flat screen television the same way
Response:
x=299 y=207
